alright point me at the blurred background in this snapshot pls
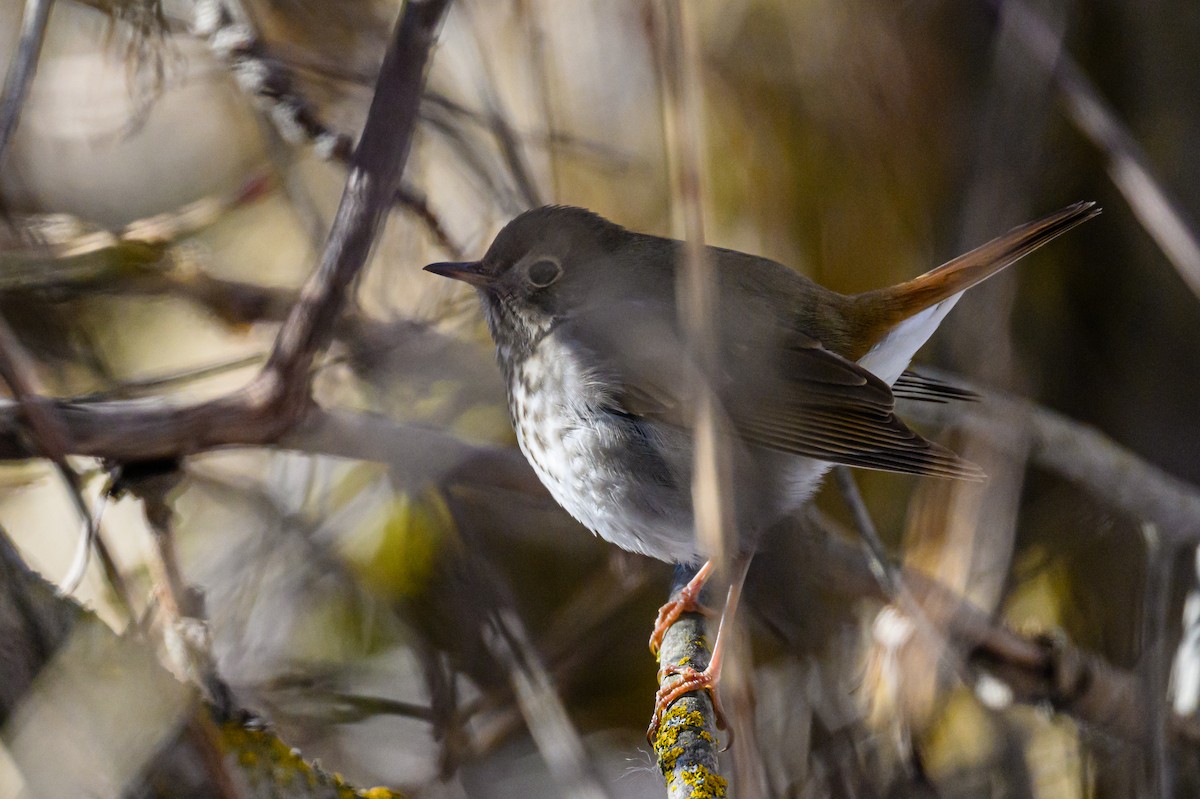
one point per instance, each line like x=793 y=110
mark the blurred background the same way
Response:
x=160 y=221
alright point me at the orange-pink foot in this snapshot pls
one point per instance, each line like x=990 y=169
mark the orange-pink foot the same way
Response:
x=689 y=680
x=669 y=613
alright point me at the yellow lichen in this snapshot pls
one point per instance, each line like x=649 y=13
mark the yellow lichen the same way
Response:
x=667 y=760
x=704 y=784
x=678 y=719
x=263 y=757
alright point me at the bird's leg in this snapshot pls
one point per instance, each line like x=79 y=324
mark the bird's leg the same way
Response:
x=692 y=680
x=687 y=601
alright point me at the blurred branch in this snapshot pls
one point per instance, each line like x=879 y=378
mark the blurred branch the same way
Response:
x=535 y=35
x=1081 y=454
x=232 y=36
x=375 y=172
x=683 y=126
x=1037 y=670
x=22 y=68
x=49 y=439
x=885 y=571
x=186 y=634
x=431 y=455
x=1128 y=166
x=278 y=398
x=118 y=700
x=547 y=719
x=507 y=141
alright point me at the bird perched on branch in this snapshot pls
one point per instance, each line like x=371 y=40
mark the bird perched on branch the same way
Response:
x=602 y=384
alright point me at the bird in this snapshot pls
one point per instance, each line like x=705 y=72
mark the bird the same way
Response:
x=602 y=382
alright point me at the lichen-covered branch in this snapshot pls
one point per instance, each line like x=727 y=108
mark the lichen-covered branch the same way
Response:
x=686 y=742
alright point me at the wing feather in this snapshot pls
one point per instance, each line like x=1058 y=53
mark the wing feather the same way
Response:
x=790 y=394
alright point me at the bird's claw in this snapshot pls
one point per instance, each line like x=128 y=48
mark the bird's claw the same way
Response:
x=668 y=614
x=689 y=680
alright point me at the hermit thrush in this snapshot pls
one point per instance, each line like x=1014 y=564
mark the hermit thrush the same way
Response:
x=601 y=383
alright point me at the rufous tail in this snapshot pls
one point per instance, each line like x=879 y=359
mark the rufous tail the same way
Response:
x=883 y=309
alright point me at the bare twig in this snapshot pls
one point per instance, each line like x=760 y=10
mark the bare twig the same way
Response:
x=551 y=728
x=507 y=141
x=51 y=440
x=22 y=68
x=543 y=74
x=691 y=719
x=375 y=172
x=885 y=571
x=696 y=278
x=185 y=628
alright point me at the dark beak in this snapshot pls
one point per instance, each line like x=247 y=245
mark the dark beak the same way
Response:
x=467 y=271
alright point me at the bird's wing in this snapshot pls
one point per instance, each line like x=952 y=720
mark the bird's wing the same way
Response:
x=802 y=399
x=815 y=403
x=923 y=388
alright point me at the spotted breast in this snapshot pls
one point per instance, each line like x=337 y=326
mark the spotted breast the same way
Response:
x=624 y=481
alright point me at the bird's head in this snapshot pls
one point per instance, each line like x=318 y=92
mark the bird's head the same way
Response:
x=543 y=265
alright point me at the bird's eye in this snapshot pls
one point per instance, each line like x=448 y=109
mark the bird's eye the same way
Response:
x=544 y=272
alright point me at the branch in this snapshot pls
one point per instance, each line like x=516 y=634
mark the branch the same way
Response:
x=1081 y=454
x=22 y=68
x=130 y=727
x=231 y=35
x=278 y=398
x=375 y=171
x=1037 y=670
x=686 y=740
x=555 y=736
x=1128 y=166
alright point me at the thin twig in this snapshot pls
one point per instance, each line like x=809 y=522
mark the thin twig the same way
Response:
x=885 y=571
x=891 y=581
x=690 y=719
x=52 y=441
x=536 y=36
x=509 y=144
x=22 y=68
x=696 y=278
x=551 y=728
x=233 y=35
x=1128 y=166
x=185 y=628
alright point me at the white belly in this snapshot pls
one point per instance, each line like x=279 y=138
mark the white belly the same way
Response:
x=583 y=455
